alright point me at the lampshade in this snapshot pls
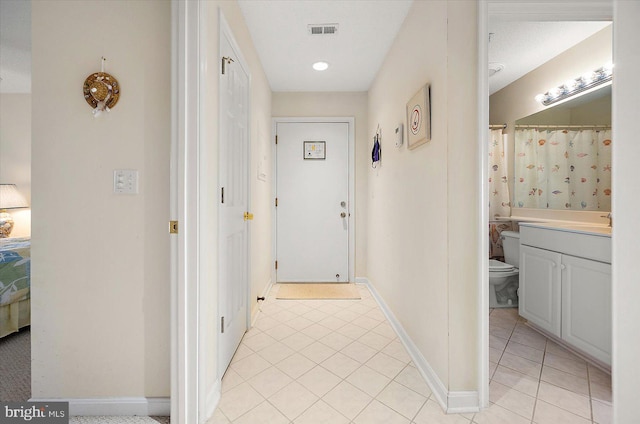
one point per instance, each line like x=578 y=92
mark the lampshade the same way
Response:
x=10 y=198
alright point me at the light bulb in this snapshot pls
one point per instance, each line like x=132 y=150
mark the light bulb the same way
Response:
x=570 y=85
x=540 y=98
x=588 y=78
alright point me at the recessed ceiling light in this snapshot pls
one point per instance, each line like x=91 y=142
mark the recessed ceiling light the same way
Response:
x=320 y=66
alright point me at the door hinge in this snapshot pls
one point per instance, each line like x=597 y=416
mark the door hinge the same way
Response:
x=276 y=202
x=173 y=227
x=222 y=324
x=276 y=138
x=248 y=216
x=225 y=62
x=276 y=264
x=222 y=195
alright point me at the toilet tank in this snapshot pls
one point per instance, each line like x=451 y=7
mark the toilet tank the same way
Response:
x=511 y=247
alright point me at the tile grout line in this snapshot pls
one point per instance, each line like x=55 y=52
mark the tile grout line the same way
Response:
x=593 y=419
x=535 y=403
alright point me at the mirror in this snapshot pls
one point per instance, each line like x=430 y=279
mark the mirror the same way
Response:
x=592 y=108
x=562 y=155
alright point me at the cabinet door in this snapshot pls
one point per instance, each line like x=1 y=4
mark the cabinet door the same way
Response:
x=586 y=306
x=540 y=289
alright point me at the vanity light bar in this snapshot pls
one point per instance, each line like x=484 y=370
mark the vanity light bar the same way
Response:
x=578 y=85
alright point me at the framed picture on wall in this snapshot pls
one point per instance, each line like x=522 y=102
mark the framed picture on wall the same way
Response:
x=315 y=150
x=419 y=118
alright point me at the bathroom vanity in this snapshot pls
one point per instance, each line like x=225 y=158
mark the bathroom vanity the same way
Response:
x=565 y=284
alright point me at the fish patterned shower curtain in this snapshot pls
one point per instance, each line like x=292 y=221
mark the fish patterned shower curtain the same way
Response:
x=499 y=201
x=563 y=169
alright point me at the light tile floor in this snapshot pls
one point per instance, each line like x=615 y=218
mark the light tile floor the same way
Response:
x=534 y=380
x=325 y=362
x=339 y=361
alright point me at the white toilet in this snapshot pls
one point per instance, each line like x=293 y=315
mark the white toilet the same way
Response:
x=503 y=277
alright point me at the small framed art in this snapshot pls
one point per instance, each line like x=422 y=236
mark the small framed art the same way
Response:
x=315 y=150
x=419 y=118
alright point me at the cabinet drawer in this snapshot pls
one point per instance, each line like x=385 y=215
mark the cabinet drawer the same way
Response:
x=587 y=246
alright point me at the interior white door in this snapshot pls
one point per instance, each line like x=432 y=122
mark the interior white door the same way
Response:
x=312 y=213
x=234 y=195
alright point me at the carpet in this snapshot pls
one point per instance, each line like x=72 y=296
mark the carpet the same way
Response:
x=15 y=379
x=318 y=291
x=118 y=420
x=15 y=366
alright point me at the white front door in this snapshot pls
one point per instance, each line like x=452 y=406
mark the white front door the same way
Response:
x=233 y=199
x=312 y=213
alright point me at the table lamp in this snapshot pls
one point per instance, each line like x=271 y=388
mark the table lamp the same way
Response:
x=10 y=198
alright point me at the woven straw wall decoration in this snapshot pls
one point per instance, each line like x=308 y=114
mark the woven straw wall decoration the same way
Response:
x=101 y=91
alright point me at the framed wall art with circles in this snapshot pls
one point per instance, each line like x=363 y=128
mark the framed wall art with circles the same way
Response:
x=419 y=118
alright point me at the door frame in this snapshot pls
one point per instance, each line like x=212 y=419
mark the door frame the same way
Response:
x=540 y=10
x=225 y=31
x=183 y=207
x=352 y=183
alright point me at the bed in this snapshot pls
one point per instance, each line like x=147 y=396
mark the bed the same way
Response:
x=15 y=284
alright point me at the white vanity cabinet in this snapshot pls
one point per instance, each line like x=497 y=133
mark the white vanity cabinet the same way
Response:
x=586 y=306
x=565 y=286
x=539 y=288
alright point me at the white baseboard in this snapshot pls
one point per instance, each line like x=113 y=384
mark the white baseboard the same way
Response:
x=451 y=402
x=213 y=398
x=463 y=402
x=130 y=406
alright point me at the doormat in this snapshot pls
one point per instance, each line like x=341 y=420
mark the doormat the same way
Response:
x=318 y=291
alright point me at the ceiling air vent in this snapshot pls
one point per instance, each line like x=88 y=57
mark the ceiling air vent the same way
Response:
x=323 y=29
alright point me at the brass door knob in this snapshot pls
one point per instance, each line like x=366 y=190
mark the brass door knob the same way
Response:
x=343 y=215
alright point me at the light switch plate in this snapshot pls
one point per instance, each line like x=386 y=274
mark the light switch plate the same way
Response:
x=125 y=181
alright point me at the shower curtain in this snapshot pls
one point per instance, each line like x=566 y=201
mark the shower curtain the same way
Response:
x=563 y=169
x=499 y=203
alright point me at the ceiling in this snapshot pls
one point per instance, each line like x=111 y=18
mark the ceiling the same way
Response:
x=366 y=30
x=15 y=46
x=523 y=46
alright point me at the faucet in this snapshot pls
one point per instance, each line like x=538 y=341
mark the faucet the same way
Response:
x=610 y=218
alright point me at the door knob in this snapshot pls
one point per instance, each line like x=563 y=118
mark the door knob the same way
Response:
x=343 y=215
x=343 y=204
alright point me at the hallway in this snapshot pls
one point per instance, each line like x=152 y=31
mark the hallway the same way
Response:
x=340 y=362
x=325 y=361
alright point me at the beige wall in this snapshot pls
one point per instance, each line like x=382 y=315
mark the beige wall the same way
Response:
x=422 y=203
x=339 y=104
x=626 y=203
x=517 y=100
x=15 y=153
x=462 y=210
x=261 y=193
x=116 y=292
x=100 y=261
